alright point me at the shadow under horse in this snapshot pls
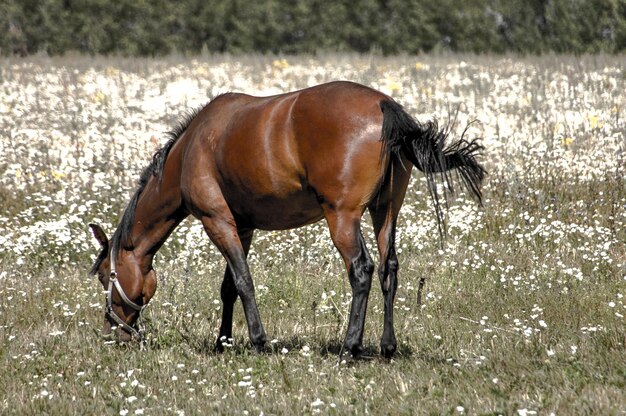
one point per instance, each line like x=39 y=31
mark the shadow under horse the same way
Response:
x=242 y=163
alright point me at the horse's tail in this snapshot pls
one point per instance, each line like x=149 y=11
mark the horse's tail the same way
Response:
x=424 y=146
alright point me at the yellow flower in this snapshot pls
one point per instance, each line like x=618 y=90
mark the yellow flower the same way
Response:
x=559 y=128
x=280 y=64
x=420 y=66
x=110 y=71
x=57 y=175
x=594 y=121
x=392 y=86
x=99 y=97
x=567 y=141
x=201 y=71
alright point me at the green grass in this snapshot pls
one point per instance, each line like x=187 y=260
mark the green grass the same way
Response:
x=444 y=360
x=447 y=357
x=522 y=310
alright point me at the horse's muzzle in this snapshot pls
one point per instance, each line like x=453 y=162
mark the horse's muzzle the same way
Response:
x=116 y=333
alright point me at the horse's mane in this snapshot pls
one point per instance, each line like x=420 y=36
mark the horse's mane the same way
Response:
x=155 y=168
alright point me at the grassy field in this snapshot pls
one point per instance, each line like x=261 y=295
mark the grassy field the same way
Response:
x=522 y=309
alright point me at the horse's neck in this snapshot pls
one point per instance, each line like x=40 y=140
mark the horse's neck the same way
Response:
x=157 y=213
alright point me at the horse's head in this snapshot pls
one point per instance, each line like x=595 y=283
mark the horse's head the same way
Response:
x=128 y=288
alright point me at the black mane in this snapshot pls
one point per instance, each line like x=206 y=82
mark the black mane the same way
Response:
x=155 y=168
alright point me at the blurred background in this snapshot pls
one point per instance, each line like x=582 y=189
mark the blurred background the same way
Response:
x=160 y=27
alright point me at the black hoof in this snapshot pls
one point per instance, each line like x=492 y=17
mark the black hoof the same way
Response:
x=351 y=353
x=388 y=351
x=222 y=343
x=260 y=348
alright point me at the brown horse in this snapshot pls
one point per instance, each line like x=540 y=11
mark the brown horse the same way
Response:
x=243 y=163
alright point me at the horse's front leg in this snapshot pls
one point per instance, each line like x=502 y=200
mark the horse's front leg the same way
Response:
x=223 y=233
x=346 y=233
x=228 y=293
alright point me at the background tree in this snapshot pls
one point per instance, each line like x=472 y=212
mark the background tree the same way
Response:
x=158 y=27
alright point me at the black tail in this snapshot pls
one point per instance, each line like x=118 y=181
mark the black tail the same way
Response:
x=424 y=146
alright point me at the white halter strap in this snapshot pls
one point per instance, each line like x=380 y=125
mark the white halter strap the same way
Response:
x=114 y=282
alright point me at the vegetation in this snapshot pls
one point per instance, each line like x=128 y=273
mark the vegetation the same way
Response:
x=522 y=311
x=158 y=27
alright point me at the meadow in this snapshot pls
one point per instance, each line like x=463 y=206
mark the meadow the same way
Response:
x=522 y=308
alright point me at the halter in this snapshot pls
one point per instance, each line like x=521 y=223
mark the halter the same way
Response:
x=109 y=304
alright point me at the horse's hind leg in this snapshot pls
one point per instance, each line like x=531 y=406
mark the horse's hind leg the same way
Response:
x=228 y=294
x=384 y=210
x=384 y=227
x=345 y=230
x=223 y=232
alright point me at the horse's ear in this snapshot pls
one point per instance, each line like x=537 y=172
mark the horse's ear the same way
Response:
x=100 y=235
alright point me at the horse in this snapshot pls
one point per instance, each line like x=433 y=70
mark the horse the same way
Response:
x=242 y=163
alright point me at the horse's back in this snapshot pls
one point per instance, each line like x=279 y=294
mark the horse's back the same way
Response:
x=278 y=158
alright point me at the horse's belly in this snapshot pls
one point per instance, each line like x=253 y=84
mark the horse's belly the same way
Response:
x=278 y=213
